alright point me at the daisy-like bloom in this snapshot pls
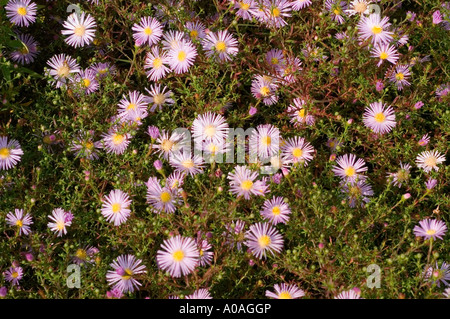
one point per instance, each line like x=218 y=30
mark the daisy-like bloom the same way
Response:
x=175 y=180
x=115 y=142
x=292 y=65
x=172 y=39
x=178 y=255
x=28 y=51
x=243 y=183
x=430 y=184
x=85 y=147
x=379 y=118
x=359 y=7
x=59 y=221
x=147 y=31
x=402 y=175
x=264 y=87
x=85 y=255
x=103 y=69
x=348 y=167
x=182 y=57
x=438 y=275
x=155 y=63
x=10 y=153
x=86 y=80
x=187 y=163
x=263 y=238
x=167 y=145
x=300 y=4
x=357 y=192
x=159 y=97
x=80 y=29
x=196 y=30
x=162 y=199
x=21 y=12
x=376 y=28
x=349 y=294
x=297 y=150
x=205 y=254
x=285 y=291
x=333 y=143
x=210 y=127
x=337 y=9
x=399 y=75
x=298 y=113
x=275 y=59
x=430 y=228
x=276 y=210
x=442 y=91
x=18 y=220
x=126 y=267
x=264 y=141
x=13 y=275
x=385 y=52
x=114 y=294
x=61 y=67
x=235 y=234
x=199 y=294
x=135 y=101
x=245 y=9
x=446 y=293
x=116 y=207
x=276 y=11
x=222 y=45
x=429 y=160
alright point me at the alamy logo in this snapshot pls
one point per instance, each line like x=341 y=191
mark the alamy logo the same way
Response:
x=374 y=280
x=74 y=278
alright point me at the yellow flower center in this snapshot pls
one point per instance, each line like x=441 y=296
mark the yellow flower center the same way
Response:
x=377 y=29
x=80 y=30
x=116 y=207
x=431 y=161
x=178 y=255
x=89 y=145
x=400 y=76
x=148 y=31
x=188 y=163
x=264 y=241
x=264 y=91
x=102 y=71
x=213 y=148
x=157 y=63
x=360 y=7
x=193 y=34
x=181 y=56
x=210 y=130
x=296 y=152
x=166 y=145
x=276 y=210
x=128 y=274
x=118 y=139
x=131 y=106
x=60 y=225
x=247 y=185
x=86 y=82
x=383 y=55
x=380 y=117
x=244 y=6
x=159 y=99
x=19 y=223
x=81 y=254
x=284 y=295
x=22 y=11
x=301 y=113
x=431 y=232
x=349 y=171
x=266 y=140
x=15 y=274
x=63 y=70
x=274 y=61
x=337 y=11
x=165 y=197
x=4 y=153
x=276 y=12
x=221 y=46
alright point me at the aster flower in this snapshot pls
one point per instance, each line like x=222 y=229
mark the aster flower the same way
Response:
x=175 y=180
x=292 y=65
x=348 y=167
x=178 y=255
x=116 y=207
x=430 y=228
x=357 y=192
x=162 y=199
x=401 y=176
x=385 y=52
x=263 y=238
x=134 y=101
x=333 y=143
x=167 y=145
x=199 y=294
x=103 y=69
x=62 y=66
x=126 y=267
x=275 y=12
x=264 y=141
x=10 y=153
x=85 y=255
x=21 y=12
x=298 y=113
x=285 y=291
x=276 y=210
x=182 y=57
x=187 y=163
x=210 y=127
x=379 y=118
x=115 y=142
x=337 y=9
x=297 y=150
x=399 y=75
x=86 y=81
x=173 y=39
x=85 y=147
x=376 y=28
x=147 y=31
x=429 y=160
x=264 y=88
x=446 y=293
x=114 y=294
x=159 y=97
x=275 y=59
x=245 y=9
x=21 y=222
x=155 y=63
x=196 y=30
x=13 y=275
x=28 y=51
x=424 y=140
x=80 y=29
x=430 y=184
x=297 y=5
x=235 y=234
x=442 y=91
x=438 y=275
x=243 y=183
x=349 y=294
x=60 y=219
x=359 y=7
x=205 y=254
x=222 y=45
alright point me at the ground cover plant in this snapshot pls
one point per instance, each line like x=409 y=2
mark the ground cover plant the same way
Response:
x=224 y=149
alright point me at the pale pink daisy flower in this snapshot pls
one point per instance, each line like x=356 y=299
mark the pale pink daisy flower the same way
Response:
x=205 y=253
x=103 y=69
x=297 y=150
x=264 y=141
x=429 y=160
x=401 y=176
x=424 y=140
x=285 y=291
x=175 y=180
x=291 y=66
x=437 y=275
x=357 y=192
x=147 y=31
x=349 y=294
x=245 y=8
x=187 y=163
x=299 y=115
x=276 y=210
x=275 y=59
x=14 y=274
x=85 y=255
x=399 y=75
x=265 y=89
x=172 y=39
x=10 y=153
x=243 y=183
x=155 y=63
x=21 y=12
x=196 y=30
x=358 y=7
x=80 y=29
x=168 y=144
x=21 y=222
x=178 y=255
x=263 y=238
x=210 y=127
x=60 y=219
x=221 y=45
x=86 y=81
x=337 y=9
x=379 y=118
x=376 y=28
x=276 y=11
x=85 y=147
x=114 y=141
x=385 y=52
x=134 y=101
x=199 y=294
x=182 y=57
x=61 y=67
x=126 y=268
x=28 y=51
x=430 y=228
x=162 y=199
x=348 y=167
x=116 y=207
x=235 y=234
x=158 y=96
